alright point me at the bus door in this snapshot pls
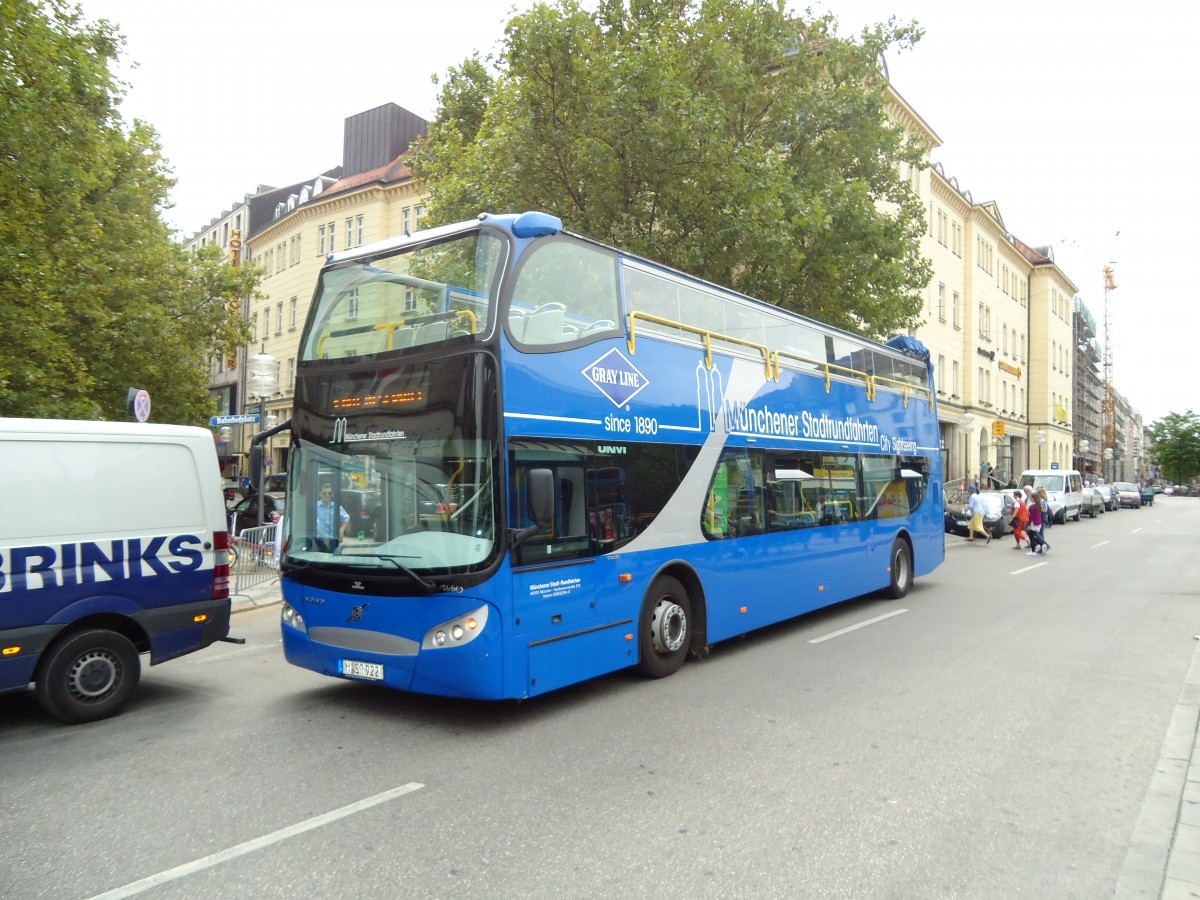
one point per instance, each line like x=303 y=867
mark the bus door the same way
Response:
x=555 y=571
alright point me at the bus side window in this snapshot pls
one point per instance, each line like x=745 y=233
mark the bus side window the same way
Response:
x=735 y=504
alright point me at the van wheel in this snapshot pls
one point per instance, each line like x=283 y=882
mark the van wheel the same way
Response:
x=88 y=676
x=901 y=570
x=1078 y=513
x=664 y=628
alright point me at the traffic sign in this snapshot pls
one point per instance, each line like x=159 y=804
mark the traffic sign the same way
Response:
x=243 y=419
x=141 y=405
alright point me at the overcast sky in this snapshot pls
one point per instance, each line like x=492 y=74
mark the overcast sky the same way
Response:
x=1075 y=117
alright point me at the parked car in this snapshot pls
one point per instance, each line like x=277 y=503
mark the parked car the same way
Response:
x=244 y=514
x=1109 y=495
x=999 y=506
x=1147 y=495
x=1093 y=503
x=1129 y=494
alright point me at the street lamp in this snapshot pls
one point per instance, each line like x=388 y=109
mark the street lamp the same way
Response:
x=1039 y=438
x=1083 y=447
x=1108 y=455
x=965 y=421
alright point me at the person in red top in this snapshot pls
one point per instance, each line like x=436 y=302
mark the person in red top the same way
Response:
x=1021 y=514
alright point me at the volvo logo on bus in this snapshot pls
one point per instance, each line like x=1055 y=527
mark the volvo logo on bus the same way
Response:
x=617 y=378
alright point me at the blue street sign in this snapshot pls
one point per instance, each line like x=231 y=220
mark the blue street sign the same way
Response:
x=244 y=419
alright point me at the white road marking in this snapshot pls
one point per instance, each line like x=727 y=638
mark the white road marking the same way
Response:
x=1136 y=530
x=1029 y=568
x=214 y=859
x=847 y=630
x=1099 y=545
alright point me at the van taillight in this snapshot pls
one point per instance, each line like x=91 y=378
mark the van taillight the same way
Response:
x=220 y=565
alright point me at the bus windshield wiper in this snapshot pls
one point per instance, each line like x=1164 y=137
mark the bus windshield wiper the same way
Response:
x=394 y=561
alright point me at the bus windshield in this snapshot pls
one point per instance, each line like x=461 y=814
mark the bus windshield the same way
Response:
x=415 y=296
x=394 y=469
x=424 y=507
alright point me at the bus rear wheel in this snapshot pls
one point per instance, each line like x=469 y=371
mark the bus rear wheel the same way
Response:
x=664 y=628
x=901 y=570
x=88 y=676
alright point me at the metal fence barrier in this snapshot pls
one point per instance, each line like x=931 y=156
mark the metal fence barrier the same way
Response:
x=252 y=558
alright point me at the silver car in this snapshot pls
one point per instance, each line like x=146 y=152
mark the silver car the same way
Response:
x=1093 y=502
x=1109 y=495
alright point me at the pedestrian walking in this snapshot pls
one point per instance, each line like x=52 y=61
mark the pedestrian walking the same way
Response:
x=1047 y=514
x=976 y=509
x=1020 y=518
x=1034 y=529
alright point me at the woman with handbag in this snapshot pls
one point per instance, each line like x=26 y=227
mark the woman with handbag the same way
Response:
x=1020 y=517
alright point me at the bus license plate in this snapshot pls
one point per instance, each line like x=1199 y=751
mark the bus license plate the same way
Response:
x=356 y=669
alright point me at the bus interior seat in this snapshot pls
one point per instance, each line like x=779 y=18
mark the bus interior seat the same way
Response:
x=516 y=322
x=596 y=327
x=545 y=324
x=403 y=337
x=430 y=332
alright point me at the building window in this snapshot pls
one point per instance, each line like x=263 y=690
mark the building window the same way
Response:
x=410 y=300
x=955 y=309
x=404 y=218
x=298 y=247
x=332 y=237
x=266 y=321
x=292 y=317
x=279 y=317
x=291 y=374
x=941 y=310
x=939 y=374
x=359 y=222
x=321 y=240
x=349 y=233
x=254 y=327
x=352 y=306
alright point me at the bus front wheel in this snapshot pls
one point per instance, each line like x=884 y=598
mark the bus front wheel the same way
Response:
x=664 y=628
x=901 y=570
x=88 y=676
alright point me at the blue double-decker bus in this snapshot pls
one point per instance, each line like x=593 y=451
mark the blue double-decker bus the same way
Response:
x=555 y=460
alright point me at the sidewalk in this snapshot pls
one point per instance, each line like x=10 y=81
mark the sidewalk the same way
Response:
x=1177 y=783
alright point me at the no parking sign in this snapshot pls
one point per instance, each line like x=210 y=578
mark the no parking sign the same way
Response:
x=138 y=403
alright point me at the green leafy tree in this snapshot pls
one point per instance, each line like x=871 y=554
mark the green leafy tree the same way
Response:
x=95 y=294
x=1175 y=444
x=722 y=137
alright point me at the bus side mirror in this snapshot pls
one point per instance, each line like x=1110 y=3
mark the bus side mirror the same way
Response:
x=539 y=493
x=540 y=490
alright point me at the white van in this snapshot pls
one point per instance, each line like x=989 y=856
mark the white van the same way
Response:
x=113 y=543
x=1064 y=487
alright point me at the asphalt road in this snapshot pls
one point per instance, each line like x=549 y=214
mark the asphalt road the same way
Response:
x=995 y=734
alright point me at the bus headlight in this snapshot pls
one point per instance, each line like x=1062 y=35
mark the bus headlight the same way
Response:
x=456 y=632
x=293 y=618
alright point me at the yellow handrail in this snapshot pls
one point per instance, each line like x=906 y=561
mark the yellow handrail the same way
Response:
x=905 y=388
x=702 y=332
x=392 y=327
x=828 y=369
